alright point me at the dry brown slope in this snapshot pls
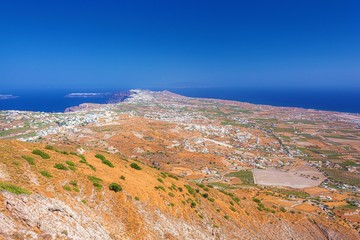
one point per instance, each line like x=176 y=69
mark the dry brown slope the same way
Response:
x=68 y=205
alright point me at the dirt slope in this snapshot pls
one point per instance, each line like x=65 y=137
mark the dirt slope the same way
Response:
x=73 y=201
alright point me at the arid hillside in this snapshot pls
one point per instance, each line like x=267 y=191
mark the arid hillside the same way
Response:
x=71 y=192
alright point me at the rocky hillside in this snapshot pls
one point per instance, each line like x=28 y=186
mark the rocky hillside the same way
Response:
x=70 y=192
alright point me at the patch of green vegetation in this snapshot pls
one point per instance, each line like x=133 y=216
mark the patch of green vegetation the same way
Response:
x=282 y=209
x=291 y=192
x=245 y=176
x=67 y=188
x=232 y=209
x=115 y=187
x=137 y=198
x=73 y=183
x=160 y=180
x=122 y=177
x=12 y=188
x=173 y=176
x=61 y=166
x=349 y=163
x=40 y=153
x=13 y=131
x=70 y=163
x=30 y=160
x=84 y=201
x=190 y=190
x=171 y=194
x=46 y=174
x=160 y=187
x=83 y=160
x=95 y=181
x=219 y=185
x=49 y=147
x=104 y=160
x=135 y=166
x=203 y=187
x=341 y=176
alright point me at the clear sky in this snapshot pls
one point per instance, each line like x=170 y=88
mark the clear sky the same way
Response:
x=167 y=44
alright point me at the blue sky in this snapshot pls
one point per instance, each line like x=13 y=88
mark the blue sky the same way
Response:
x=175 y=44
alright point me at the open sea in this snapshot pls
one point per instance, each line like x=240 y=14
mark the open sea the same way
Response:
x=322 y=99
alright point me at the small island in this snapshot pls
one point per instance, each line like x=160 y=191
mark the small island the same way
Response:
x=7 y=96
x=87 y=95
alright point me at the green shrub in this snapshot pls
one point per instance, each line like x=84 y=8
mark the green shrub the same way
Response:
x=12 y=188
x=160 y=187
x=70 y=163
x=30 y=160
x=49 y=147
x=173 y=176
x=190 y=189
x=104 y=160
x=40 y=153
x=160 y=180
x=171 y=194
x=67 y=188
x=60 y=166
x=72 y=168
x=46 y=174
x=205 y=195
x=95 y=181
x=211 y=199
x=115 y=187
x=232 y=209
x=122 y=177
x=74 y=183
x=256 y=200
x=137 y=198
x=192 y=204
x=135 y=166
x=84 y=201
x=282 y=209
x=101 y=157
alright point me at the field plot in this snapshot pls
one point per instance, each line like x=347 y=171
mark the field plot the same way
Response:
x=299 y=178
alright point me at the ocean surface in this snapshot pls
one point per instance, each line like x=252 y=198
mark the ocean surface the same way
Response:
x=322 y=99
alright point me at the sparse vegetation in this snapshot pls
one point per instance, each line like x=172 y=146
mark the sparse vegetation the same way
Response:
x=190 y=189
x=61 y=166
x=115 y=187
x=245 y=176
x=122 y=177
x=70 y=163
x=160 y=180
x=160 y=187
x=30 y=160
x=46 y=174
x=104 y=160
x=40 y=153
x=135 y=166
x=49 y=147
x=96 y=182
x=171 y=194
x=12 y=188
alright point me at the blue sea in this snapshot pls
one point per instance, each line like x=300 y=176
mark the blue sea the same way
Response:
x=342 y=100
